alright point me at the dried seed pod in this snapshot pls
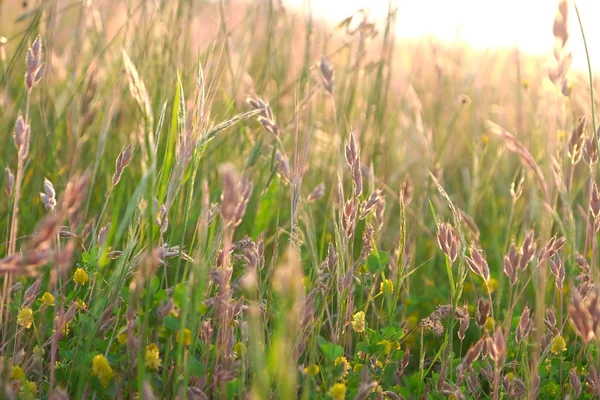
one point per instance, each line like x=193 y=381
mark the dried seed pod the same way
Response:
x=10 y=182
x=123 y=160
x=511 y=263
x=49 y=196
x=524 y=327
x=483 y=310
x=327 y=72
x=478 y=263
x=448 y=240
x=317 y=193
x=576 y=141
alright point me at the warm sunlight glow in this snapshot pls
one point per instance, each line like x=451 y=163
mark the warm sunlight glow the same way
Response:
x=479 y=23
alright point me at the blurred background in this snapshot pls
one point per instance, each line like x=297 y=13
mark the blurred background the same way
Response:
x=481 y=24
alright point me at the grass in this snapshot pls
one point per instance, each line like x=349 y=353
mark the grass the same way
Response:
x=237 y=201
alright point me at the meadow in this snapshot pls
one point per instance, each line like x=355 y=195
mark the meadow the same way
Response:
x=221 y=200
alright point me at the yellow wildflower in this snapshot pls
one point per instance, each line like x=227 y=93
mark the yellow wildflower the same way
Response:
x=152 y=356
x=558 y=345
x=65 y=328
x=122 y=335
x=358 y=321
x=239 y=349
x=101 y=369
x=345 y=365
x=81 y=304
x=492 y=284
x=25 y=317
x=387 y=286
x=47 y=299
x=17 y=373
x=357 y=368
x=387 y=346
x=80 y=277
x=28 y=390
x=185 y=337
x=489 y=324
x=525 y=84
x=163 y=332
x=312 y=370
x=338 y=391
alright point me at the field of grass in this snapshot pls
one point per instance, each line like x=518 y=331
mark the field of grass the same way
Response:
x=218 y=200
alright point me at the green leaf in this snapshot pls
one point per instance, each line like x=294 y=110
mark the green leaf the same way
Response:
x=330 y=351
x=180 y=295
x=373 y=264
x=255 y=153
x=172 y=323
x=86 y=257
x=160 y=296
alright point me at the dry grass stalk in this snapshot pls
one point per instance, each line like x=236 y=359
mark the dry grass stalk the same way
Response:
x=519 y=148
x=563 y=57
x=511 y=264
x=576 y=142
x=10 y=183
x=478 y=263
x=327 y=72
x=35 y=66
x=266 y=116
x=524 y=326
x=123 y=161
x=585 y=314
x=48 y=197
x=353 y=159
x=448 y=240
x=317 y=193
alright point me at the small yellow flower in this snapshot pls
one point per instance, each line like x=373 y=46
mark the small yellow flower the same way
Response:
x=81 y=304
x=345 y=365
x=338 y=391
x=357 y=368
x=525 y=84
x=489 y=324
x=122 y=336
x=492 y=284
x=358 y=321
x=558 y=345
x=379 y=364
x=387 y=286
x=101 y=369
x=80 y=277
x=47 y=299
x=65 y=328
x=239 y=349
x=163 y=332
x=152 y=356
x=185 y=337
x=412 y=321
x=28 y=390
x=387 y=346
x=312 y=370
x=17 y=373
x=25 y=317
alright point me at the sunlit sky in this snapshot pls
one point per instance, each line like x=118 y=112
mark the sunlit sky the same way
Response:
x=480 y=23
